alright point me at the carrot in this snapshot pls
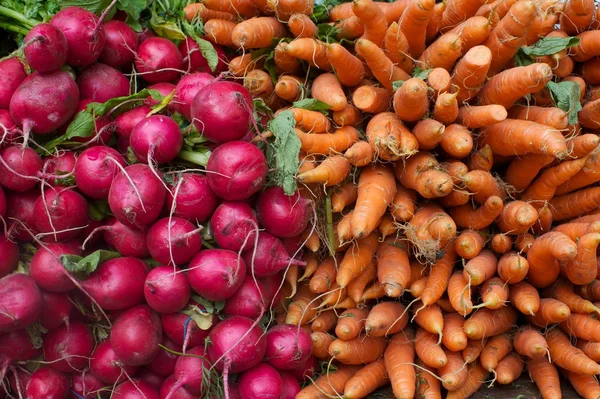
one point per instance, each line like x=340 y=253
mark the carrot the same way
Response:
x=366 y=380
x=341 y=11
x=428 y=385
x=581 y=326
x=373 y=19
x=396 y=48
x=256 y=32
x=429 y=133
x=575 y=204
x=329 y=383
x=454 y=373
x=323 y=278
x=467 y=217
x=349 y=116
x=350 y=28
x=549 y=116
x=350 y=323
x=545 y=186
x=525 y=298
x=487 y=323
x=359 y=350
x=480 y=268
x=522 y=170
x=530 y=343
x=389 y=138
x=454 y=337
x=324 y=322
x=473 y=350
x=588 y=116
x=258 y=83
x=382 y=67
x=310 y=121
x=586 y=176
x=569 y=357
x=496 y=349
x=310 y=50
x=563 y=291
x=288 y=88
x=495 y=10
x=551 y=311
x=474 y=117
x=583 y=268
x=587 y=47
x=591 y=349
x=402 y=207
x=421 y=173
x=338 y=141
x=458 y=11
x=334 y=296
x=509 y=369
x=331 y=171
x=430 y=226
x=583 y=145
x=473 y=32
x=375 y=291
x=577 y=16
x=439 y=276
x=356 y=259
x=494 y=293
x=591 y=291
x=302 y=308
x=357 y=287
x=242 y=64
x=343 y=196
x=443 y=53
x=194 y=10
x=446 y=108
x=476 y=377
x=501 y=243
x=302 y=26
x=589 y=72
x=469 y=244
x=393 y=268
x=398 y=356
x=393 y=11
x=220 y=31
x=545 y=21
x=285 y=8
x=349 y=69
x=435 y=23
x=459 y=294
x=430 y=319
x=457 y=141
x=386 y=318
x=410 y=100
x=370 y=99
x=413 y=24
x=326 y=88
x=344 y=228
x=543 y=256
x=244 y=8
x=376 y=189
x=523 y=243
x=545 y=376
x=428 y=351
x=586 y=385
x=320 y=344
x=517 y=217
x=439 y=80
x=387 y=227
x=483 y=185
x=311 y=266
x=360 y=154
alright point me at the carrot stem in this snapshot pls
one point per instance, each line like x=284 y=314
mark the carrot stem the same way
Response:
x=329 y=220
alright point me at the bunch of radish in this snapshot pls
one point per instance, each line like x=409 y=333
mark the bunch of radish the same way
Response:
x=125 y=270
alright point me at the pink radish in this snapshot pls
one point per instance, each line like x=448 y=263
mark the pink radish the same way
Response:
x=12 y=74
x=47 y=270
x=261 y=382
x=158 y=60
x=185 y=91
x=163 y=365
x=148 y=376
x=135 y=335
x=127 y=241
x=252 y=301
x=269 y=256
x=283 y=215
x=164 y=88
x=46 y=48
x=121 y=44
x=288 y=347
x=15 y=347
x=216 y=274
x=183 y=330
x=173 y=240
x=291 y=387
x=166 y=291
x=179 y=393
x=9 y=132
x=194 y=199
x=20 y=214
x=19 y=168
x=95 y=170
x=127 y=120
x=61 y=214
x=156 y=138
x=68 y=347
x=100 y=82
x=10 y=256
x=20 y=302
x=106 y=366
x=190 y=371
x=234 y=226
x=135 y=389
x=58 y=166
x=56 y=309
x=85 y=385
x=48 y=383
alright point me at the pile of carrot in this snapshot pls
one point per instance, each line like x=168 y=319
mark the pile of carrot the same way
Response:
x=456 y=242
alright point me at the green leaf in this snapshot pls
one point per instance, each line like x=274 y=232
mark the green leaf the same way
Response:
x=327 y=33
x=284 y=151
x=102 y=109
x=95 y=6
x=162 y=104
x=312 y=104
x=202 y=316
x=522 y=59
x=397 y=84
x=99 y=209
x=550 y=46
x=133 y=8
x=86 y=265
x=208 y=52
x=565 y=96
x=420 y=73
x=81 y=126
x=321 y=10
x=36 y=331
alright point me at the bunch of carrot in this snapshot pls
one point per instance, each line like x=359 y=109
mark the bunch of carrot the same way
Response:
x=459 y=239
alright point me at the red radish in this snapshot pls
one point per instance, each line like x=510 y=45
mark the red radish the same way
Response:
x=183 y=330
x=136 y=334
x=293 y=244
x=164 y=88
x=15 y=347
x=288 y=347
x=236 y=170
x=12 y=74
x=100 y=83
x=173 y=241
x=193 y=59
x=216 y=274
x=106 y=366
x=261 y=382
x=179 y=393
x=47 y=270
x=48 y=383
x=2 y=202
x=144 y=35
x=61 y=214
x=46 y=48
x=117 y=283
x=136 y=196
x=20 y=302
x=127 y=241
x=307 y=370
x=222 y=111
x=156 y=138
x=251 y=300
x=291 y=387
x=190 y=372
x=19 y=168
x=234 y=226
x=185 y=91
x=269 y=256
x=135 y=389
x=127 y=120
x=56 y=309
x=163 y=364
x=18 y=380
x=158 y=60
x=146 y=375
x=85 y=386
x=120 y=46
x=95 y=170
x=283 y=215
x=20 y=211
x=194 y=198
x=10 y=256
x=84 y=34
x=103 y=128
x=67 y=348
x=9 y=132
x=59 y=165
x=166 y=291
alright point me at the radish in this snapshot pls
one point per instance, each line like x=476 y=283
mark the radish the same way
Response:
x=164 y=88
x=67 y=348
x=44 y=102
x=163 y=364
x=95 y=170
x=47 y=270
x=190 y=372
x=10 y=256
x=20 y=213
x=127 y=241
x=158 y=60
x=269 y=256
x=106 y=366
x=127 y=120
x=144 y=35
x=46 y=48
x=194 y=198
x=252 y=301
x=15 y=347
x=20 y=302
x=48 y=383
x=146 y=375
x=2 y=202
x=12 y=74
x=222 y=111
x=136 y=334
x=19 y=168
x=117 y=283
x=261 y=382
x=156 y=138
x=103 y=127
x=179 y=393
x=307 y=370
x=283 y=215
x=135 y=389
x=84 y=34
x=173 y=240
x=293 y=244
x=288 y=347
x=136 y=196
x=183 y=330
x=216 y=274
x=236 y=170
x=185 y=91
x=61 y=214
x=56 y=309
x=100 y=82
x=9 y=132
x=234 y=226
x=291 y=387
x=166 y=291
x=59 y=165
x=194 y=60
x=85 y=386
x=120 y=46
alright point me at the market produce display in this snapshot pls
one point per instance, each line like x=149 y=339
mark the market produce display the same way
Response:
x=295 y=199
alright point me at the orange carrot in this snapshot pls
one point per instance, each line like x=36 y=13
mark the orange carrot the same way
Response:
x=525 y=298
x=413 y=24
x=311 y=50
x=323 y=278
x=457 y=140
x=551 y=311
x=585 y=177
x=359 y=350
x=544 y=187
x=398 y=356
x=288 y=88
x=517 y=217
x=429 y=133
x=509 y=369
x=257 y=32
x=349 y=116
x=220 y=31
x=330 y=383
x=324 y=322
x=244 y=8
x=575 y=204
x=396 y=48
x=473 y=350
x=454 y=337
x=591 y=349
x=474 y=117
x=333 y=170
x=349 y=69
x=302 y=308
x=356 y=259
x=326 y=88
x=586 y=385
x=430 y=319
x=199 y=10
x=530 y=343
x=476 y=378
x=522 y=170
x=583 y=268
x=358 y=286
x=473 y=32
x=569 y=357
x=349 y=28
x=458 y=11
x=549 y=116
x=487 y=323
x=386 y=318
x=454 y=373
x=393 y=268
x=481 y=268
x=446 y=108
x=410 y=100
x=583 y=145
x=443 y=53
x=428 y=386
x=545 y=376
x=467 y=217
x=402 y=207
x=439 y=80
x=285 y=8
x=428 y=351
x=302 y=26
x=389 y=138
x=577 y=16
x=512 y=268
x=373 y=19
x=581 y=326
x=310 y=121
x=439 y=276
x=320 y=344
x=564 y=292
x=311 y=266
x=382 y=67
x=543 y=256
x=360 y=154
x=469 y=244
x=370 y=99
x=341 y=11
x=494 y=293
x=258 y=83
x=338 y=141
x=496 y=349
x=350 y=323
x=343 y=196
x=366 y=380
x=470 y=72
x=435 y=23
